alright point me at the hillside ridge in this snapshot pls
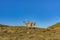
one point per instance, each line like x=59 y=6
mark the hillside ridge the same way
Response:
x=55 y=26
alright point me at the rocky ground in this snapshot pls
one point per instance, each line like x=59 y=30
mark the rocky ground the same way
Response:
x=23 y=33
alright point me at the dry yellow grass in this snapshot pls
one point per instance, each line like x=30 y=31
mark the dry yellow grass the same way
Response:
x=23 y=33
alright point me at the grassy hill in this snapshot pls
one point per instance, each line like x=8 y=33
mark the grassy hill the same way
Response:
x=1 y=25
x=55 y=26
x=23 y=33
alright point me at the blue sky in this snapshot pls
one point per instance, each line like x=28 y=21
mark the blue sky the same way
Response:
x=43 y=12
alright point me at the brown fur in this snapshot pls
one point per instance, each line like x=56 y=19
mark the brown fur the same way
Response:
x=29 y=24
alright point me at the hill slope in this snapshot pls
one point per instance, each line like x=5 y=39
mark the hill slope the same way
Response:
x=55 y=26
x=1 y=25
x=23 y=33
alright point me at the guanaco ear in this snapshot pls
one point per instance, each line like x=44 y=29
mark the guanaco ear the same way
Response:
x=34 y=23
